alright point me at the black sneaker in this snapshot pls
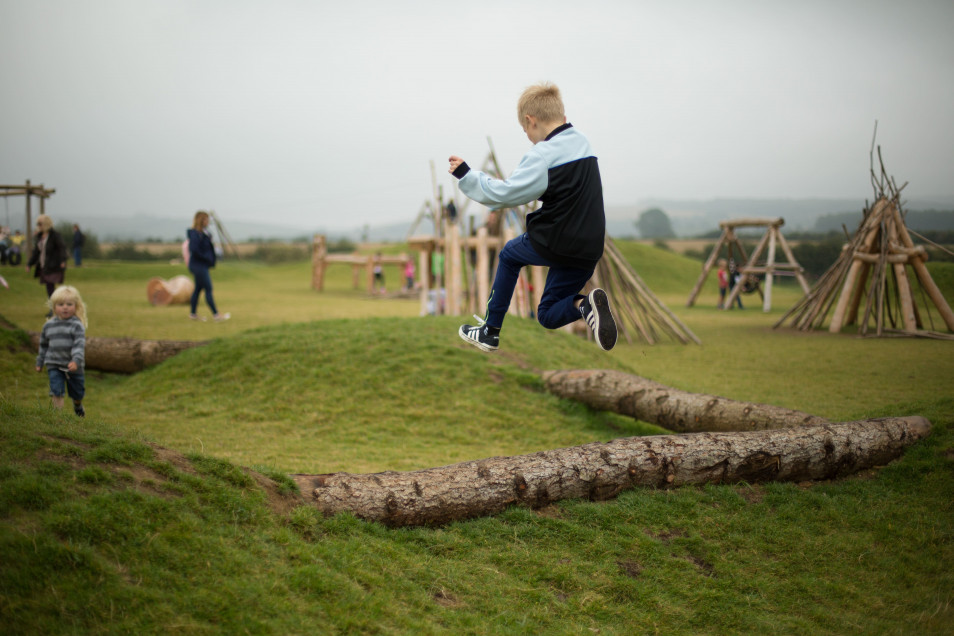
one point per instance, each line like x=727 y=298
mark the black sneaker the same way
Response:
x=478 y=336
x=597 y=314
x=79 y=410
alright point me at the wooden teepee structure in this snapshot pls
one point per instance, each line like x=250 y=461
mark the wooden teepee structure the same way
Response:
x=638 y=311
x=873 y=268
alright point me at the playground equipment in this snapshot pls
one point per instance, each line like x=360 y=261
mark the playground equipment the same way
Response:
x=753 y=267
x=873 y=265
x=29 y=191
x=321 y=259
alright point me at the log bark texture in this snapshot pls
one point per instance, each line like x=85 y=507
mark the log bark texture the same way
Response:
x=127 y=355
x=676 y=410
x=602 y=470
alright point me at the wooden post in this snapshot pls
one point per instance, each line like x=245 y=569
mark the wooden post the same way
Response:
x=837 y=319
x=536 y=275
x=452 y=255
x=369 y=273
x=319 y=252
x=927 y=283
x=726 y=231
x=483 y=270
x=29 y=227
x=901 y=279
x=862 y=280
x=424 y=276
x=769 y=274
x=799 y=270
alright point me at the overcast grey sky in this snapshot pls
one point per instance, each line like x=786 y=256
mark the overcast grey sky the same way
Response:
x=322 y=114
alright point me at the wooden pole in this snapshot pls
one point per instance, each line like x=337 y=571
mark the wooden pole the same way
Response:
x=536 y=276
x=319 y=252
x=424 y=276
x=901 y=279
x=29 y=227
x=872 y=227
x=769 y=274
x=924 y=277
x=454 y=269
x=707 y=267
x=799 y=270
x=483 y=270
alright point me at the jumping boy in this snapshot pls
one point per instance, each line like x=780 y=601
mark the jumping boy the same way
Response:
x=566 y=234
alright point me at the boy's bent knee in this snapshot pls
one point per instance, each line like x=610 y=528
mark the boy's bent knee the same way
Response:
x=550 y=319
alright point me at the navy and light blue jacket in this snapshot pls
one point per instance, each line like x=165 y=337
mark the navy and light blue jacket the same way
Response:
x=560 y=171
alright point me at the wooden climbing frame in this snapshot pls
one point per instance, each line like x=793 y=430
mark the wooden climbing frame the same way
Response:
x=753 y=267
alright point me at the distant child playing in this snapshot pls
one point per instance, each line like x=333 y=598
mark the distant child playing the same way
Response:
x=566 y=234
x=723 y=276
x=63 y=347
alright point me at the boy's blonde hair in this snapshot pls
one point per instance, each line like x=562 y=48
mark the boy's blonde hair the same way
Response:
x=542 y=101
x=199 y=220
x=68 y=292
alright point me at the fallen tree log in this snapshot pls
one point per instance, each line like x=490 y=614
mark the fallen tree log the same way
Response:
x=127 y=355
x=601 y=471
x=678 y=411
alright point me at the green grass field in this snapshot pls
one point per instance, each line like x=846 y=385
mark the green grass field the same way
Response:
x=144 y=517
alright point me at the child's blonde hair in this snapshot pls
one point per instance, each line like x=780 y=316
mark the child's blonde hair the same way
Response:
x=542 y=101
x=199 y=221
x=68 y=292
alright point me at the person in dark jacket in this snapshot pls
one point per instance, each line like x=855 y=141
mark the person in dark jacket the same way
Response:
x=201 y=260
x=566 y=234
x=49 y=255
x=79 y=240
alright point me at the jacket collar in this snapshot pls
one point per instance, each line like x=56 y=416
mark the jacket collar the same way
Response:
x=556 y=131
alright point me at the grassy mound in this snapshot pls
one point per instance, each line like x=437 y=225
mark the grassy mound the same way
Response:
x=168 y=509
x=102 y=530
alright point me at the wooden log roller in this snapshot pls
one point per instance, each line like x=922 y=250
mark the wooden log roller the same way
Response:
x=175 y=291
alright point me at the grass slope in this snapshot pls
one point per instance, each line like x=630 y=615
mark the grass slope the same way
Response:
x=142 y=519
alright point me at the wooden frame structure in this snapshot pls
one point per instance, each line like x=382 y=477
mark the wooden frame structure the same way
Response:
x=752 y=266
x=872 y=265
x=320 y=259
x=29 y=191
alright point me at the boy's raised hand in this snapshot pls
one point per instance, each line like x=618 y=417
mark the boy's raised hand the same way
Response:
x=455 y=161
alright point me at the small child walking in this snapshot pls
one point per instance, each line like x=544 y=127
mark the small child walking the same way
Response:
x=566 y=234
x=63 y=347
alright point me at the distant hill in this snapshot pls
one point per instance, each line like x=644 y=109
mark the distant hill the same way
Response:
x=688 y=217
x=920 y=220
x=696 y=217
